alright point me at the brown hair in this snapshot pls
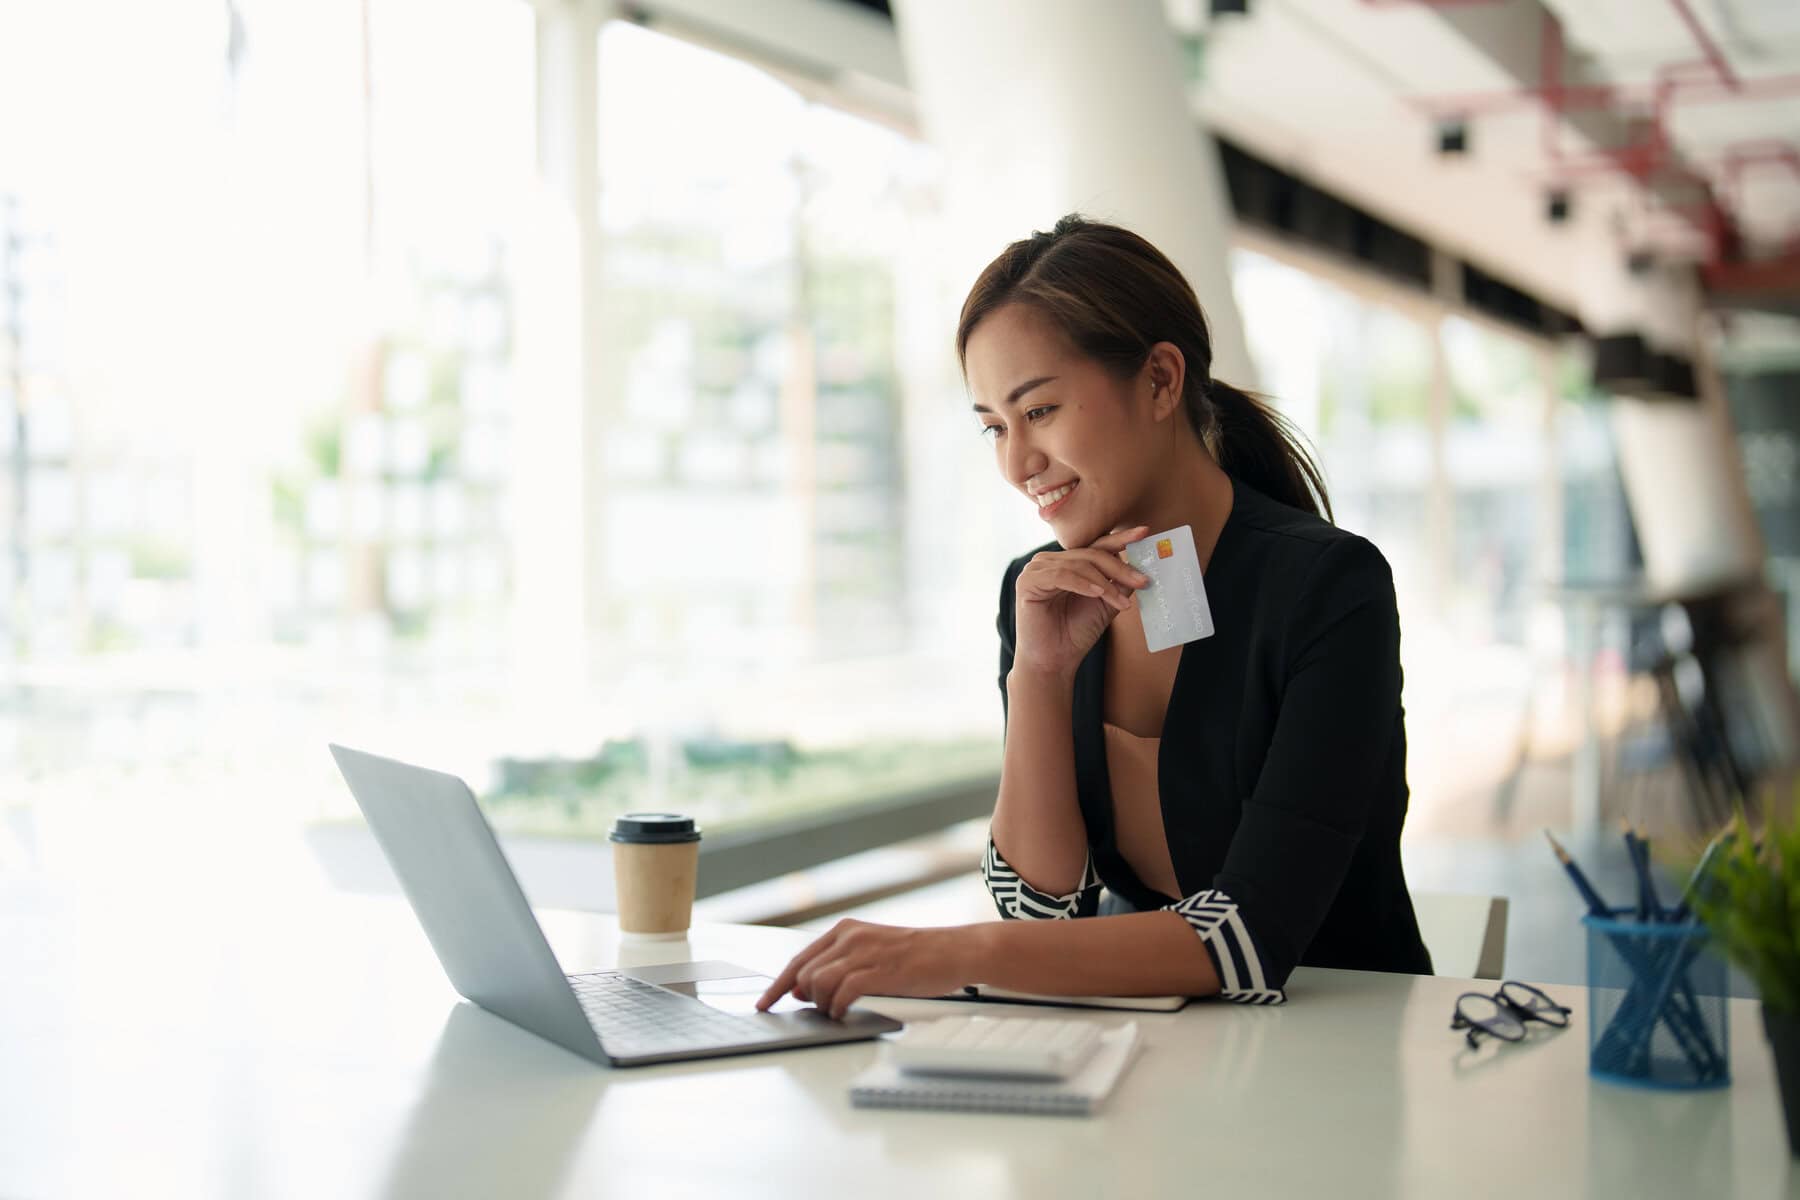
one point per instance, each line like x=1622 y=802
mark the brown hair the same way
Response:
x=1114 y=295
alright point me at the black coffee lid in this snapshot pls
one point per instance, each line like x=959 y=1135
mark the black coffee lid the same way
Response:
x=654 y=827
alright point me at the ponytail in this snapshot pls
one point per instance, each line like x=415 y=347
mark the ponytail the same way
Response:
x=1115 y=296
x=1248 y=438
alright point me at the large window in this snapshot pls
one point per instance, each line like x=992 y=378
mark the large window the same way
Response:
x=757 y=599
x=573 y=407
x=283 y=422
x=1480 y=463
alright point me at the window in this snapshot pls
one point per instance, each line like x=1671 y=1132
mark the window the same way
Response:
x=1473 y=459
x=294 y=497
x=651 y=485
x=769 y=596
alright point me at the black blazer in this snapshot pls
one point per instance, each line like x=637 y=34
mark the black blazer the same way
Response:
x=1282 y=768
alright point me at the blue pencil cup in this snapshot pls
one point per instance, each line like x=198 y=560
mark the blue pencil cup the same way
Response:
x=1656 y=1004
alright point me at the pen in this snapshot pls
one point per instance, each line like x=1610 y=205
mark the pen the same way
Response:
x=1595 y=903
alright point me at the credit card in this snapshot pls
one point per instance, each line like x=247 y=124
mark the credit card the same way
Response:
x=1173 y=607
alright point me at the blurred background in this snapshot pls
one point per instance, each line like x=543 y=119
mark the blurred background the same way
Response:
x=562 y=393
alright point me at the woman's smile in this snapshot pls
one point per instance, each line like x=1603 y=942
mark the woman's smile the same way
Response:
x=1053 y=501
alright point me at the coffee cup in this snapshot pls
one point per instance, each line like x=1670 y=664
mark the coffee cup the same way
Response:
x=655 y=857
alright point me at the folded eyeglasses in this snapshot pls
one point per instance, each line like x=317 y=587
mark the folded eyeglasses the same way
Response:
x=1504 y=1014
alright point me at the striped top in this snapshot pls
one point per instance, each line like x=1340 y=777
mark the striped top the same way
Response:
x=1211 y=914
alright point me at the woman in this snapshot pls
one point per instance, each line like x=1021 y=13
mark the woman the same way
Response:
x=1239 y=798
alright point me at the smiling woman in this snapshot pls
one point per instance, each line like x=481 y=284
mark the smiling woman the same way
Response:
x=1238 y=801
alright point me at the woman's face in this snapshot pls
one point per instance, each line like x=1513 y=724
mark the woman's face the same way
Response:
x=1073 y=438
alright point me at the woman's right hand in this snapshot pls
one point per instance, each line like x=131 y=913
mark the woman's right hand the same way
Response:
x=1065 y=599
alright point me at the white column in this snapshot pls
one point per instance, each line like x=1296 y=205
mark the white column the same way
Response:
x=1683 y=476
x=552 y=486
x=1042 y=107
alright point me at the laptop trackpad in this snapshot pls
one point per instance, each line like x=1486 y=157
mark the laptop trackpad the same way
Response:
x=721 y=985
x=691 y=972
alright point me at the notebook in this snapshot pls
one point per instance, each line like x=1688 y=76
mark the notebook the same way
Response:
x=885 y=1085
x=985 y=991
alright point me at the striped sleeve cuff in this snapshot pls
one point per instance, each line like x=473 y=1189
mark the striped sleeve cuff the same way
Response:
x=1017 y=899
x=1214 y=916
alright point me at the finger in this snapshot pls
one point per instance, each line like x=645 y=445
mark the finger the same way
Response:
x=1049 y=586
x=1097 y=571
x=821 y=979
x=1115 y=599
x=784 y=982
x=1096 y=585
x=1084 y=580
x=853 y=987
x=1067 y=574
x=1115 y=593
x=1116 y=541
x=1114 y=567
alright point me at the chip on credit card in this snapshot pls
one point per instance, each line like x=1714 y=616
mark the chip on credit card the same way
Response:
x=1173 y=608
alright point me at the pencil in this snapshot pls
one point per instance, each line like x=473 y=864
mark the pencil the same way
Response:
x=1596 y=905
x=1684 y=908
x=1657 y=911
x=1637 y=868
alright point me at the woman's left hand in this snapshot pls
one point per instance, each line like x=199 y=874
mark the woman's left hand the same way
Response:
x=857 y=959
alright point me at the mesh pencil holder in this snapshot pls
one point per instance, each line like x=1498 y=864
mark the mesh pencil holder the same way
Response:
x=1656 y=1004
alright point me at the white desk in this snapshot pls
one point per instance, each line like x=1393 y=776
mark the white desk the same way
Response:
x=169 y=1047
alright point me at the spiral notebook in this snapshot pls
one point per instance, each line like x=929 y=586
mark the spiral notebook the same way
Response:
x=987 y=991
x=885 y=1085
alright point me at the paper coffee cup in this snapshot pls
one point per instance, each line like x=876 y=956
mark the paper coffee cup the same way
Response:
x=655 y=856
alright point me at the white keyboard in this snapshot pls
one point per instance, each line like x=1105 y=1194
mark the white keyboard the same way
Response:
x=1028 y=1047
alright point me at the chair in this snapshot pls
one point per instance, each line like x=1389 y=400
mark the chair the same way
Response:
x=1465 y=934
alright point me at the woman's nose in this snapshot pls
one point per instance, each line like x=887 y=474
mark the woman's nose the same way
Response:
x=1022 y=460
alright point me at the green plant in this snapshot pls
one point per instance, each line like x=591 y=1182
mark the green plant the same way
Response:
x=1749 y=897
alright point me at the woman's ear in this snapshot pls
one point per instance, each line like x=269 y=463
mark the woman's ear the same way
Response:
x=1166 y=369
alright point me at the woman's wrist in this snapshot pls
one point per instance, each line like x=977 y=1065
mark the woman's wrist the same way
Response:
x=1026 y=677
x=972 y=950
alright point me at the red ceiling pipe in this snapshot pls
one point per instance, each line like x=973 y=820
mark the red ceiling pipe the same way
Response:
x=1647 y=158
x=1741 y=156
x=1668 y=78
x=1550 y=59
x=1723 y=83
x=1605 y=95
x=1708 y=47
x=1779 y=276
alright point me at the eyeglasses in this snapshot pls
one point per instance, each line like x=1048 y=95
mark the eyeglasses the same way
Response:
x=1503 y=1014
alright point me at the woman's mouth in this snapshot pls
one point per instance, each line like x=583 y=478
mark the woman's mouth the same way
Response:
x=1049 y=502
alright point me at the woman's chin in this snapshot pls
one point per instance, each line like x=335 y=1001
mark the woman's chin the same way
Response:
x=1073 y=534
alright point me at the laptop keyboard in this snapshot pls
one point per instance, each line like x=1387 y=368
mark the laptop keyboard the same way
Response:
x=633 y=1017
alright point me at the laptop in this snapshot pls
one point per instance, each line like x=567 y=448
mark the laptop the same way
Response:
x=465 y=895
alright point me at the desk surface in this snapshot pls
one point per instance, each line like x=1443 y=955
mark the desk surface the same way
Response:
x=182 y=1049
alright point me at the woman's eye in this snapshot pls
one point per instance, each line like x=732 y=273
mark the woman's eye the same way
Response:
x=991 y=430
x=1038 y=414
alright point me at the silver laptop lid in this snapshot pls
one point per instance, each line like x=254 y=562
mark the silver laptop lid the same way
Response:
x=465 y=895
